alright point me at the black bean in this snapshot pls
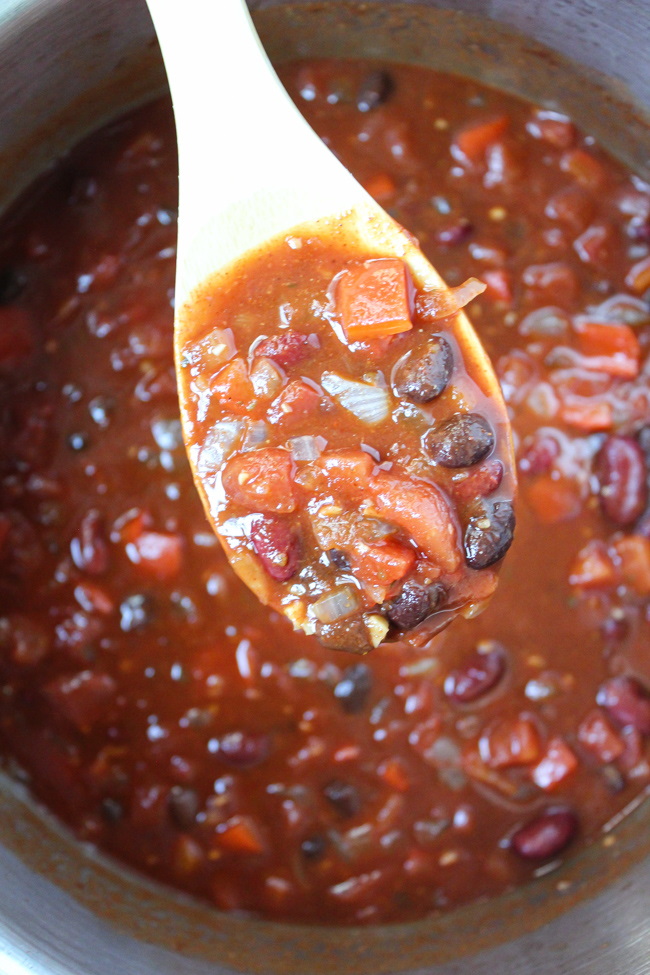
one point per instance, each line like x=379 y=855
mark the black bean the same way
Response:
x=112 y=811
x=546 y=835
x=489 y=533
x=244 y=749
x=136 y=611
x=12 y=283
x=375 y=89
x=354 y=687
x=183 y=805
x=313 y=847
x=462 y=440
x=344 y=797
x=339 y=559
x=413 y=604
x=424 y=376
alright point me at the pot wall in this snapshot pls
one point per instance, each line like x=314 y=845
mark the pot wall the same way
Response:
x=66 y=66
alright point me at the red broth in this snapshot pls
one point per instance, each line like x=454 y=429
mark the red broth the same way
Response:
x=169 y=718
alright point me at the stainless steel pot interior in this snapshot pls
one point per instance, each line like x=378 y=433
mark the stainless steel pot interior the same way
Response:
x=65 y=66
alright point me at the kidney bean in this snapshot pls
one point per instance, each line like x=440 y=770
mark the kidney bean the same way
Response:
x=413 y=604
x=183 y=805
x=476 y=676
x=421 y=378
x=344 y=797
x=479 y=482
x=244 y=749
x=537 y=456
x=546 y=835
x=627 y=701
x=89 y=548
x=375 y=89
x=489 y=533
x=621 y=471
x=457 y=233
x=353 y=688
x=276 y=546
x=287 y=349
x=83 y=698
x=460 y=441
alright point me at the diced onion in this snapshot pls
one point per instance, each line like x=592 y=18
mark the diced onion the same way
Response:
x=545 y=321
x=257 y=433
x=623 y=308
x=219 y=443
x=167 y=433
x=266 y=377
x=306 y=448
x=336 y=605
x=442 y=302
x=368 y=403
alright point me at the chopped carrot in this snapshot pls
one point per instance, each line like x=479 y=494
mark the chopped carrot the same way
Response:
x=614 y=346
x=584 y=168
x=381 y=187
x=261 y=480
x=472 y=141
x=638 y=277
x=593 y=567
x=372 y=299
x=233 y=387
x=634 y=554
x=557 y=763
x=553 y=500
x=240 y=835
x=382 y=564
x=394 y=774
x=587 y=415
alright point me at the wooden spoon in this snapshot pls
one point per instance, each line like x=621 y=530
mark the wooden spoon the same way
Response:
x=252 y=174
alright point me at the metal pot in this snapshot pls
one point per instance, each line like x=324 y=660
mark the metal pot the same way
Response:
x=66 y=66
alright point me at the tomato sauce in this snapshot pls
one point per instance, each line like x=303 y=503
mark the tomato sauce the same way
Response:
x=165 y=715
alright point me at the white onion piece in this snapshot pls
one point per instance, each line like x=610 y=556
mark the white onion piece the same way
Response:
x=442 y=302
x=368 y=403
x=265 y=377
x=257 y=433
x=306 y=448
x=218 y=444
x=336 y=605
x=627 y=309
x=545 y=321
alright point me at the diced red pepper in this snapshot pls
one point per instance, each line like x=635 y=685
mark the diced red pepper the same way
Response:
x=615 y=347
x=590 y=416
x=241 y=835
x=634 y=554
x=593 y=567
x=394 y=774
x=472 y=141
x=159 y=554
x=557 y=763
x=261 y=480
x=372 y=299
x=584 y=168
x=381 y=186
x=233 y=387
x=597 y=735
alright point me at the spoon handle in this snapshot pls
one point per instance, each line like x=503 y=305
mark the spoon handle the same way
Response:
x=250 y=166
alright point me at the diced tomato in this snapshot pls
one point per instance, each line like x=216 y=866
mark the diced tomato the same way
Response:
x=472 y=141
x=590 y=416
x=233 y=387
x=424 y=513
x=593 y=567
x=381 y=564
x=372 y=299
x=615 y=347
x=597 y=735
x=499 y=284
x=261 y=480
x=584 y=168
x=296 y=400
x=17 y=341
x=638 y=277
x=347 y=472
x=552 y=499
x=149 y=809
x=553 y=128
x=634 y=554
x=475 y=767
x=510 y=742
x=187 y=856
x=479 y=481
x=557 y=763
x=394 y=774
x=83 y=698
x=381 y=187
x=240 y=835
x=159 y=554
x=556 y=282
